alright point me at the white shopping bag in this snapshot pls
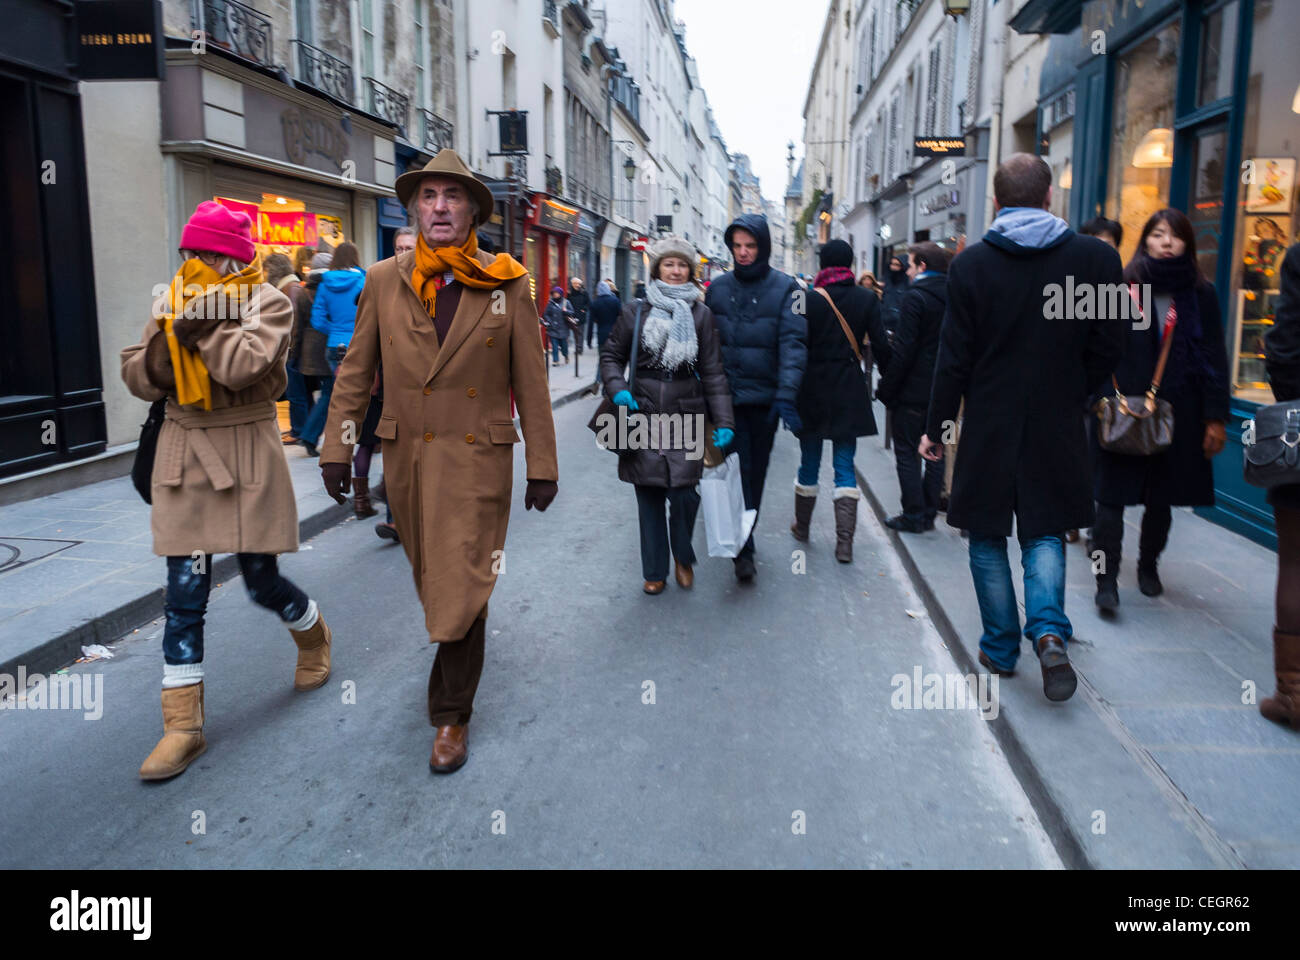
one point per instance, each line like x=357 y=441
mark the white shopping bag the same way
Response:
x=726 y=521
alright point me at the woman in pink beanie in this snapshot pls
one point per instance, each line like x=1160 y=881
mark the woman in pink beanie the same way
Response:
x=215 y=348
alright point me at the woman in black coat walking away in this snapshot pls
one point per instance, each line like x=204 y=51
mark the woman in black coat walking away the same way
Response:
x=1282 y=356
x=678 y=374
x=834 y=399
x=1195 y=382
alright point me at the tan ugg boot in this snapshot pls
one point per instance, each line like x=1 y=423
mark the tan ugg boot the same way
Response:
x=313 y=655
x=182 y=740
x=1284 y=706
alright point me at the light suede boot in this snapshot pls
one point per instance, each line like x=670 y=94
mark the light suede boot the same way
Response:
x=313 y=654
x=182 y=740
x=805 y=498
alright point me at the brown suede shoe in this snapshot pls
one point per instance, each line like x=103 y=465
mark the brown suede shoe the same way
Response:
x=653 y=586
x=450 y=749
x=1284 y=706
x=182 y=740
x=685 y=575
x=313 y=655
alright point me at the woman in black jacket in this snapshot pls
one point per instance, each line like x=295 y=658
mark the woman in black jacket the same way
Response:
x=834 y=399
x=1282 y=356
x=679 y=377
x=1196 y=384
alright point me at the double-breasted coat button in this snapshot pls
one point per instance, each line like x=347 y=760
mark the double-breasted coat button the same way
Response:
x=428 y=390
x=428 y=438
x=491 y=341
x=469 y=438
x=471 y=393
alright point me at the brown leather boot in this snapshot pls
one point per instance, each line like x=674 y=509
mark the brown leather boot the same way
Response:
x=361 y=498
x=685 y=575
x=653 y=586
x=450 y=749
x=1284 y=706
x=805 y=498
x=313 y=655
x=846 y=520
x=182 y=740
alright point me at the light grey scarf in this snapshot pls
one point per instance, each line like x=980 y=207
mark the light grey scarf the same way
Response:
x=669 y=329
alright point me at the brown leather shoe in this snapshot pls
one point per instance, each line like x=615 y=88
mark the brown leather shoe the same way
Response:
x=685 y=575
x=1059 y=680
x=992 y=667
x=450 y=749
x=1284 y=706
x=654 y=586
x=313 y=667
x=182 y=740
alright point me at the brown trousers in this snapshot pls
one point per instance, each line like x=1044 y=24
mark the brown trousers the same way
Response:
x=454 y=678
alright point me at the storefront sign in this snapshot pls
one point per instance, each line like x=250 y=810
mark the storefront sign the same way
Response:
x=555 y=216
x=246 y=208
x=119 y=39
x=638 y=243
x=941 y=200
x=939 y=147
x=513 y=128
x=288 y=228
x=308 y=133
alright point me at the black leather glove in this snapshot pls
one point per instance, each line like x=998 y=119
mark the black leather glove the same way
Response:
x=337 y=478
x=540 y=493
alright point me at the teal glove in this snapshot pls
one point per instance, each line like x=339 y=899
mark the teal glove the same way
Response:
x=722 y=437
x=624 y=399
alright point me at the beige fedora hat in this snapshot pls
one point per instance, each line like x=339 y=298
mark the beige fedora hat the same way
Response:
x=447 y=164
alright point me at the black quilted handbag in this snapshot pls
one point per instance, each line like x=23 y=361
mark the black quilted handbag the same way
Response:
x=1273 y=458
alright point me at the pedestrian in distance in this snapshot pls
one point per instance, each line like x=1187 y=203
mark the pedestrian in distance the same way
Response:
x=580 y=301
x=764 y=351
x=1282 y=358
x=280 y=274
x=316 y=346
x=867 y=279
x=456 y=333
x=605 y=311
x=835 y=397
x=895 y=286
x=1195 y=382
x=905 y=387
x=1022 y=453
x=679 y=375
x=556 y=317
x=215 y=348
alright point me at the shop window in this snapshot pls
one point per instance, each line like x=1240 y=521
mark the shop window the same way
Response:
x=1266 y=214
x=1209 y=159
x=1142 y=136
x=1218 y=54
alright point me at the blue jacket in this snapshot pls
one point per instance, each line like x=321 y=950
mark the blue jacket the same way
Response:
x=764 y=341
x=335 y=311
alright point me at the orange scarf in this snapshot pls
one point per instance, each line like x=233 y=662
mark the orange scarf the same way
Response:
x=430 y=265
x=195 y=278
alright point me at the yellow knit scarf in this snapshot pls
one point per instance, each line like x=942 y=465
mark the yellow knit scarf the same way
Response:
x=431 y=264
x=196 y=279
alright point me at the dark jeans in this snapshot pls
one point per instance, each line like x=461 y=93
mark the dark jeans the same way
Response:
x=1108 y=534
x=656 y=538
x=920 y=485
x=755 y=433
x=298 y=388
x=186 y=599
x=558 y=344
x=453 y=681
x=311 y=430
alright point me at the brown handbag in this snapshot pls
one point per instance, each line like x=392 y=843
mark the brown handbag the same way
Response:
x=1139 y=426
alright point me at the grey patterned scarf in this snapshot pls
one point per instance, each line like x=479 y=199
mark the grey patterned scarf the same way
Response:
x=669 y=329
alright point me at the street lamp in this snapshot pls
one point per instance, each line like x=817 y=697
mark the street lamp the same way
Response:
x=629 y=169
x=677 y=205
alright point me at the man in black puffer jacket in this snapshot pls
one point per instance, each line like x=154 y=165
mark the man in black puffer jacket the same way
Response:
x=905 y=387
x=764 y=351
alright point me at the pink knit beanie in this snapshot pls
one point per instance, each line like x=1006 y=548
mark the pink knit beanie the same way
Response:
x=221 y=230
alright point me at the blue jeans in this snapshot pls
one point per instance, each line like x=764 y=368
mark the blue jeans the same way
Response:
x=558 y=344
x=842 y=452
x=299 y=398
x=311 y=430
x=1043 y=562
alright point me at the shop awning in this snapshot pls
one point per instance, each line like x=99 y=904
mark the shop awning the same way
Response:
x=1048 y=16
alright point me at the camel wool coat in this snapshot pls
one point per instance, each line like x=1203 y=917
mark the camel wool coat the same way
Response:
x=220 y=480
x=447 y=430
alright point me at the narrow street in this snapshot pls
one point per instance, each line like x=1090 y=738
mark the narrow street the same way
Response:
x=771 y=716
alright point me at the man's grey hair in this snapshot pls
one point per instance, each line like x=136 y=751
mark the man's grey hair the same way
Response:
x=406 y=232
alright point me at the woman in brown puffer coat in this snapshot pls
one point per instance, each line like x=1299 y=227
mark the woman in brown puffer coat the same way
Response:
x=678 y=372
x=215 y=347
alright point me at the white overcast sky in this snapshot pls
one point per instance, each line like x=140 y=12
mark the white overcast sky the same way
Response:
x=755 y=58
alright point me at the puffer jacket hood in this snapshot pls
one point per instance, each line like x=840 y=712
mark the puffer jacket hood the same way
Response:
x=343 y=281
x=756 y=224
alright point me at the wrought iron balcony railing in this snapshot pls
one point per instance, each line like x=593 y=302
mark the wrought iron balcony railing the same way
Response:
x=437 y=132
x=386 y=102
x=551 y=12
x=233 y=26
x=324 y=71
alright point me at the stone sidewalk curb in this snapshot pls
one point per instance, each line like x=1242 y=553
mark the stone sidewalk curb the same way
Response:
x=56 y=652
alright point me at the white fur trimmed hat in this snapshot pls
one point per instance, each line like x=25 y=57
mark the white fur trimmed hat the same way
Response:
x=672 y=246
